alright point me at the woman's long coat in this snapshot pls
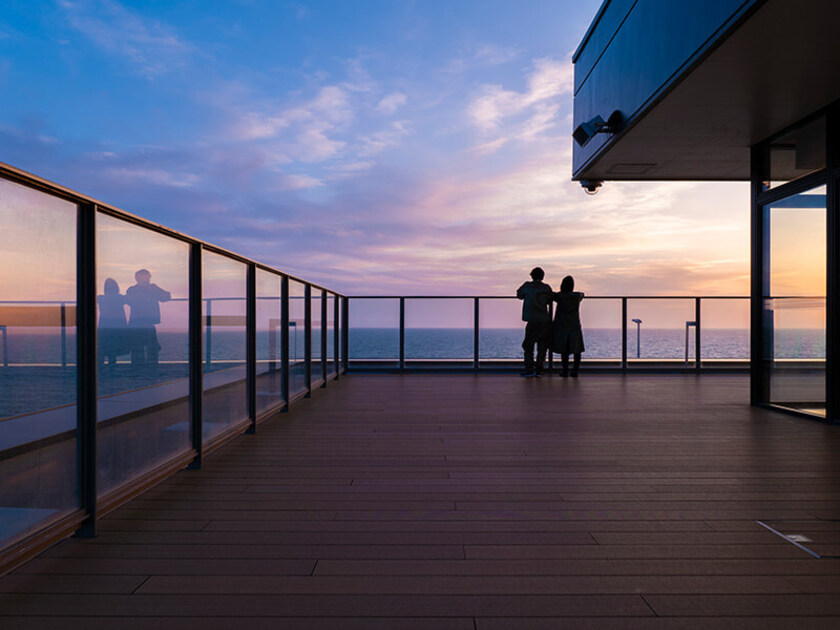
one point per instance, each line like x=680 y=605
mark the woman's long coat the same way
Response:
x=568 y=336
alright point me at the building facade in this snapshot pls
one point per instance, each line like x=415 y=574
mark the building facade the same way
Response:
x=734 y=90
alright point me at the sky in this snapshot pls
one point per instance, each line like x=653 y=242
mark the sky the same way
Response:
x=387 y=147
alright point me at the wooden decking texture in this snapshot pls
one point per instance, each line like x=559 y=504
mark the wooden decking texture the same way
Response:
x=462 y=501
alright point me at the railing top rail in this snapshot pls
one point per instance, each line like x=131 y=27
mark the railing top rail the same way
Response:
x=29 y=180
x=588 y=297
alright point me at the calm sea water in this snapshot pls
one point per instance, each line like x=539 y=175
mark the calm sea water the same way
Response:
x=447 y=343
x=601 y=343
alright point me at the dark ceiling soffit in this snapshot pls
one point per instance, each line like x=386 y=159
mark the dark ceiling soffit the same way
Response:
x=711 y=44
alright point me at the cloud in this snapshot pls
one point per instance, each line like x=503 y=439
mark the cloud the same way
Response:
x=392 y=102
x=151 y=47
x=481 y=55
x=548 y=80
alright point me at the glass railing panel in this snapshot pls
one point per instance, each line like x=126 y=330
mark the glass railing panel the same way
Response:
x=269 y=340
x=225 y=342
x=501 y=329
x=438 y=328
x=724 y=330
x=330 y=324
x=315 y=340
x=297 y=337
x=601 y=322
x=142 y=285
x=794 y=352
x=38 y=452
x=660 y=329
x=374 y=330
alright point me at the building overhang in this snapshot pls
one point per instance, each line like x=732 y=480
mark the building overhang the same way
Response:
x=775 y=64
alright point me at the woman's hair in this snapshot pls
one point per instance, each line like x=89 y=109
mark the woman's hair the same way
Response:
x=111 y=286
x=568 y=285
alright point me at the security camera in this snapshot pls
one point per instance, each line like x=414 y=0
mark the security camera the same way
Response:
x=591 y=186
x=584 y=132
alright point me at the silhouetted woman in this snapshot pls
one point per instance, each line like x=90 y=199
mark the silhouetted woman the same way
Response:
x=112 y=323
x=568 y=336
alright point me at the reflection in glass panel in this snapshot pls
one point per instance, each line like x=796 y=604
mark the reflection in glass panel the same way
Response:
x=724 y=329
x=317 y=366
x=269 y=341
x=439 y=329
x=142 y=280
x=297 y=337
x=331 y=302
x=660 y=329
x=225 y=342
x=794 y=309
x=795 y=154
x=38 y=462
x=374 y=331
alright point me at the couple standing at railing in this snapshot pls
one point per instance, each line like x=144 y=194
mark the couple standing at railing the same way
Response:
x=564 y=336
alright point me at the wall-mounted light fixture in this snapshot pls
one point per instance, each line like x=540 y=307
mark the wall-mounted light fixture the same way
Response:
x=584 y=132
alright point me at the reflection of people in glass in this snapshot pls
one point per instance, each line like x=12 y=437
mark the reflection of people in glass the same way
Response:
x=536 y=296
x=144 y=300
x=112 y=330
x=568 y=336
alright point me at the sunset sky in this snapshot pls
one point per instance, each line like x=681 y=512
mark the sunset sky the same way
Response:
x=376 y=147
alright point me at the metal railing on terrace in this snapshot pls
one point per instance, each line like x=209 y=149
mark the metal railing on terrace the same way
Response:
x=129 y=351
x=485 y=332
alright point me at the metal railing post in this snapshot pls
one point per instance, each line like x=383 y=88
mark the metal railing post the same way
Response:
x=196 y=328
x=208 y=337
x=402 y=334
x=697 y=353
x=476 y=336
x=336 y=336
x=86 y=365
x=345 y=333
x=63 y=312
x=285 y=363
x=251 y=344
x=624 y=334
x=324 y=337
x=307 y=338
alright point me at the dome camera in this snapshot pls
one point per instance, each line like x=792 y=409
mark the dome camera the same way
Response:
x=591 y=186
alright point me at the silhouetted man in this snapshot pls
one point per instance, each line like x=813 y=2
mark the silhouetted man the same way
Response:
x=536 y=296
x=144 y=300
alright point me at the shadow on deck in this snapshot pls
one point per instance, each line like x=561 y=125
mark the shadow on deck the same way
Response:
x=462 y=501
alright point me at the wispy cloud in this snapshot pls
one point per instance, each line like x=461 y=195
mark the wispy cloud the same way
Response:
x=547 y=80
x=392 y=102
x=481 y=55
x=151 y=47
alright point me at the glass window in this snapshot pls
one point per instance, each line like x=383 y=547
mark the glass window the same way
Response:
x=794 y=317
x=269 y=341
x=795 y=154
x=38 y=461
x=297 y=337
x=225 y=342
x=142 y=280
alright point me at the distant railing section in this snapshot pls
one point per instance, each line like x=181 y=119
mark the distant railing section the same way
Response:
x=620 y=332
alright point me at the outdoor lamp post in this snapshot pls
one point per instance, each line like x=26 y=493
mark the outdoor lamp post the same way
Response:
x=638 y=323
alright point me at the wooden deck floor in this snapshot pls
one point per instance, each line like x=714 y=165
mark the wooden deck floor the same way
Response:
x=461 y=501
